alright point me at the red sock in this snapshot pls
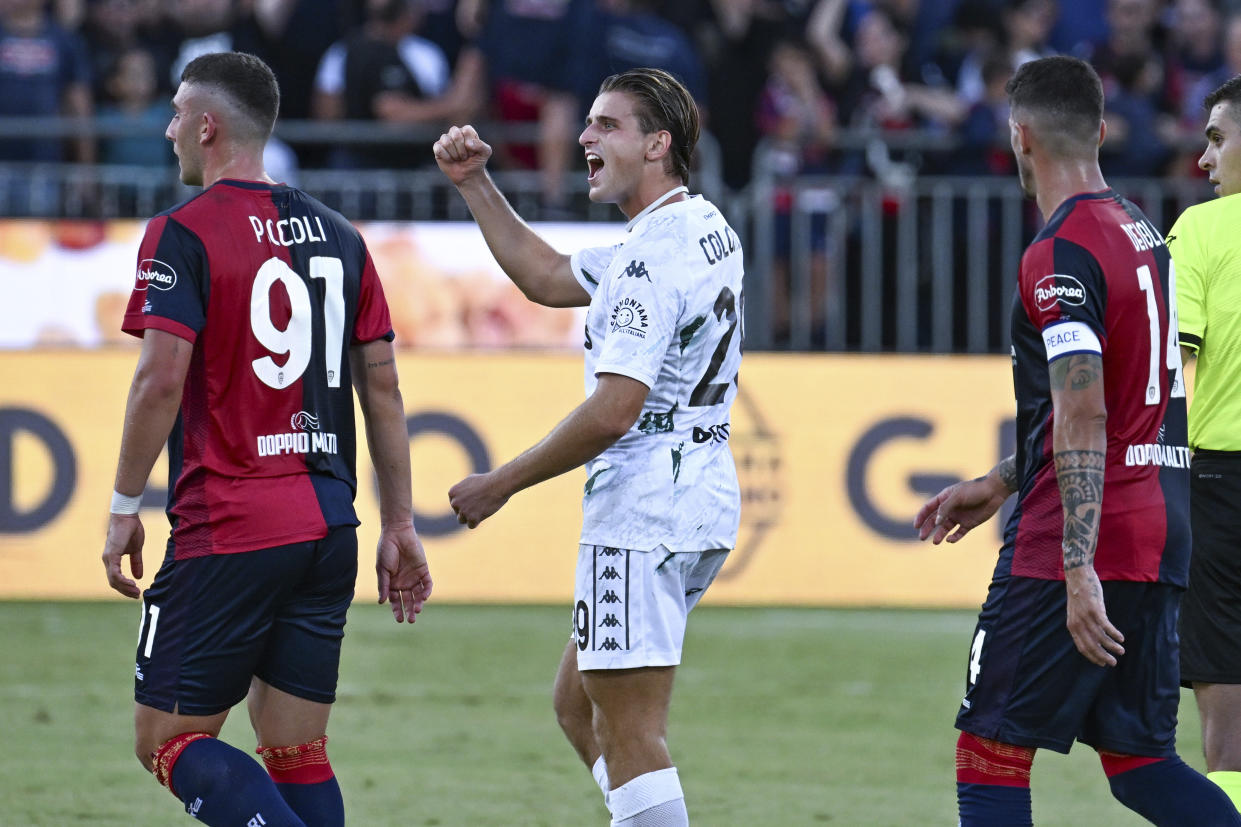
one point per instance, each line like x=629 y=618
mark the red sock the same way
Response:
x=983 y=761
x=1114 y=763
x=167 y=753
x=302 y=764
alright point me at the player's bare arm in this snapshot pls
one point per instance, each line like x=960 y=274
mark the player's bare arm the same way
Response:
x=967 y=504
x=1080 y=452
x=404 y=579
x=151 y=410
x=538 y=270
x=588 y=431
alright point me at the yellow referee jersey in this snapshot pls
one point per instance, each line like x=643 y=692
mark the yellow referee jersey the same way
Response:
x=1205 y=243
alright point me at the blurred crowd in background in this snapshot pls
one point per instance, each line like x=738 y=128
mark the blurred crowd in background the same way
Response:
x=798 y=73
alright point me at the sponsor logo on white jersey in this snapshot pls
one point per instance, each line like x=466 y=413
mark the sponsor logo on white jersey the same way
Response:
x=629 y=316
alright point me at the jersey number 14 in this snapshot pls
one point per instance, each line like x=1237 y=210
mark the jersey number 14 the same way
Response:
x=1172 y=359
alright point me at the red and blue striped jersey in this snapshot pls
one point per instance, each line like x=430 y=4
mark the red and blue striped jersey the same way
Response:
x=1099 y=279
x=272 y=288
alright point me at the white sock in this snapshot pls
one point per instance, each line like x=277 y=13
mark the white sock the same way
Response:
x=600 y=772
x=651 y=800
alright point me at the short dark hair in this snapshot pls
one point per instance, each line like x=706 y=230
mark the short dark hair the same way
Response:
x=1228 y=92
x=663 y=104
x=1065 y=95
x=245 y=79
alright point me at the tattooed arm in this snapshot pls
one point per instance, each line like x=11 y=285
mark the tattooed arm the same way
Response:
x=1079 y=448
x=964 y=505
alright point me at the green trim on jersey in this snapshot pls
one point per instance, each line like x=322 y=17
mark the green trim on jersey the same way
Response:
x=1206 y=251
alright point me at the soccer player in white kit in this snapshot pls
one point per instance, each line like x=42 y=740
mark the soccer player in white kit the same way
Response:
x=663 y=347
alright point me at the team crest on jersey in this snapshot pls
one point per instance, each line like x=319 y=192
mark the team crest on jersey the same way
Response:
x=1058 y=288
x=154 y=273
x=629 y=316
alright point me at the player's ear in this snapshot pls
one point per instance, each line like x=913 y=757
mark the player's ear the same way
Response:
x=1019 y=136
x=658 y=145
x=1102 y=131
x=207 y=128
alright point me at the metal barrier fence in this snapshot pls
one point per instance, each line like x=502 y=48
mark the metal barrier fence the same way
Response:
x=895 y=263
x=924 y=265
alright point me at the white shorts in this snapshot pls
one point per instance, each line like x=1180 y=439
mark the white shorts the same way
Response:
x=630 y=607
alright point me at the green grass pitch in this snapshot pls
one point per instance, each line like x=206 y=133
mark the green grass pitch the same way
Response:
x=781 y=717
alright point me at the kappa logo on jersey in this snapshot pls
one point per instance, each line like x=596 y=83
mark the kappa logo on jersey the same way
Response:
x=637 y=270
x=154 y=273
x=629 y=316
x=1058 y=288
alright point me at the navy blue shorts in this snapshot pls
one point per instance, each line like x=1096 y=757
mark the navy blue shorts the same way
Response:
x=210 y=624
x=1027 y=684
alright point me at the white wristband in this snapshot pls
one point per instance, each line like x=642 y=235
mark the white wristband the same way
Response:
x=122 y=504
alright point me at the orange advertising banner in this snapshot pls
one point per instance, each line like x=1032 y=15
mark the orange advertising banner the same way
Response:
x=835 y=454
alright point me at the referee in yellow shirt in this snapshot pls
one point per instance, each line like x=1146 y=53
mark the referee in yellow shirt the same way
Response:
x=1205 y=243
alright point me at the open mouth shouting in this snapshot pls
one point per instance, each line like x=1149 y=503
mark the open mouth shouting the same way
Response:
x=594 y=165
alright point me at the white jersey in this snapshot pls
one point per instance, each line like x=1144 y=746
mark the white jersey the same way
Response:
x=665 y=309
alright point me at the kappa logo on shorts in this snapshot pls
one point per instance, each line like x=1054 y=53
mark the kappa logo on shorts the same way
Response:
x=610 y=573
x=610 y=596
x=154 y=273
x=610 y=621
x=610 y=645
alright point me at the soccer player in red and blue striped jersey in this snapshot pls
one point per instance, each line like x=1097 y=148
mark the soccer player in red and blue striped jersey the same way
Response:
x=260 y=313
x=1077 y=638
